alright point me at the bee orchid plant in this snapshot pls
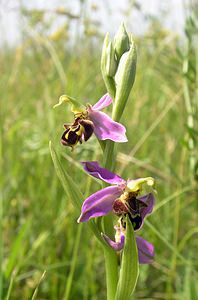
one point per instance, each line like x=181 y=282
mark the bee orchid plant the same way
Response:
x=116 y=212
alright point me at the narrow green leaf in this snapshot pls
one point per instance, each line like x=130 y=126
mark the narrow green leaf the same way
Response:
x=190 y=288
x=129 y=267
x=34 y=296
x=72 y=190
x=12 y=278
x=70 y=277
x=16 y=252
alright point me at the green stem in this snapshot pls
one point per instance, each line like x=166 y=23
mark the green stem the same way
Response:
x=109 y=155
x=13 y=275
x=173 y=263
x=188 y=90
x=68 y=288
x=111 y=261
x=109 y=152
x=111 y=267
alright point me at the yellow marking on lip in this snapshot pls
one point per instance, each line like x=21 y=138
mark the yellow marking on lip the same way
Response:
x=78 y=132
x=66 y=135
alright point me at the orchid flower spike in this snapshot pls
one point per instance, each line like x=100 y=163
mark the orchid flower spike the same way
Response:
x=88 y=120
x=122 y=198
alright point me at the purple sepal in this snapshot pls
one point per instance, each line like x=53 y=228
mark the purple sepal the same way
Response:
x=149 y=200
x=146 y=251
x=105 y=128
x=103 y=102
x=94 y=169
x=117 y=246
x=99 y=203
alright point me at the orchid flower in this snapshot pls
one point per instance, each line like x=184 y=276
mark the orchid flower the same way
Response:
x=145 y=249
x=88 y=120
x=122 y=198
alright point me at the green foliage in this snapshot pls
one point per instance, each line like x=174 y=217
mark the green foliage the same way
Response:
x=39 y=221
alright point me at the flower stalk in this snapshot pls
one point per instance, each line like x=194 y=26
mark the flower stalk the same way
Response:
x=122 y=80
x=118 y=66
x=111 y=262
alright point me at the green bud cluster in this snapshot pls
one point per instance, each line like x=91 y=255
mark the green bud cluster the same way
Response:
x=118 y=65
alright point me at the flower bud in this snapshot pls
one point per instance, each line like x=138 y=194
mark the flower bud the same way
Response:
x=121 y=41
x=108 y=65
x=104 y=50
x=124 y=79
x=111 y=63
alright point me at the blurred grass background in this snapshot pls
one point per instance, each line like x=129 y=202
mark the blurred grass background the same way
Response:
x=44 y=253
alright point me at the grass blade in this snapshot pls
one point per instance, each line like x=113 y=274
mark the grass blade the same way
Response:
x=15 y=252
